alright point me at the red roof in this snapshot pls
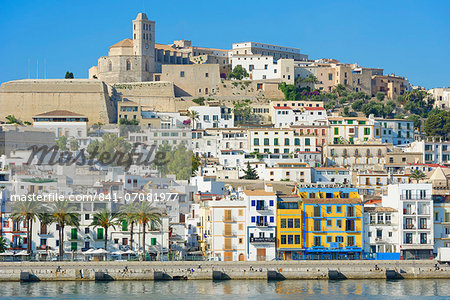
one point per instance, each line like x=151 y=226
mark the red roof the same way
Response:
x=282 y=107
x=314 y=108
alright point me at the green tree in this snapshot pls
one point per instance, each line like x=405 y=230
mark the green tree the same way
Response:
x=11 y=119
x=106 y=149
x=200 y=101
x=250 y=173
x=346 y=111
x=417 y=175
x=74 y=146
x=128 y=214
x=61 y=143
x=27 y=212
x=311 y=80
x=438 y=125
x=330 y=104
x=106 y=220
x=357 y=105
x=380 y=96
x=340 y=89
x=196 y=162
x=3 y=244
x=63 y=214
x=147 y=215
x=416 y=120
x=243 y=112
x=238 y=73
x=127 y=126
x=69 y=75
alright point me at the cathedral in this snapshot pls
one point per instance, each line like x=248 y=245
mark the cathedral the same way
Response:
x=137 y=59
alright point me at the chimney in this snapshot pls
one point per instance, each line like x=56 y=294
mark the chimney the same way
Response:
x=268 y=187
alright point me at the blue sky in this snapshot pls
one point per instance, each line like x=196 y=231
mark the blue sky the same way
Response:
x=409 y=38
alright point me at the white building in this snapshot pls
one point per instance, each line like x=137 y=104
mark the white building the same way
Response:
x=441 y=97
x=331 y=175
x=213 y=117
x=382 y=232
x=415 y=208
x=273 y=140
x=441 y=222
x=434 y=152
x=64 y=123
x=261 y=223
x=394 y=131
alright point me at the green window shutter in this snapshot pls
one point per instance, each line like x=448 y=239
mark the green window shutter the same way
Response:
x=307 y=142
x=124 y=225
x=336 y=131
x=297 y=142
x=275 y=141
x=73 y=246
x=100 y=233
x=153 y=241
x=74 y=234
x=256 y=142
x=286 y=142
x=266 y=142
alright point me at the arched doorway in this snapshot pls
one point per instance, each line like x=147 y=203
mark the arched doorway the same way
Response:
x=241 y=257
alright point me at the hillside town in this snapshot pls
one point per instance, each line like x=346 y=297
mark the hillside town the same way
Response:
x=254 y=153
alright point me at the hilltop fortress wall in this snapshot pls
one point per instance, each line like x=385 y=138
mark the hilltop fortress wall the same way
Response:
x=27 y=98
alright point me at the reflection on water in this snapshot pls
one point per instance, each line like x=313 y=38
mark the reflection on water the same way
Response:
x=252 y=289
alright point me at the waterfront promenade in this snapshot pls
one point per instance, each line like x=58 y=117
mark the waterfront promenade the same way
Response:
x=183 y=270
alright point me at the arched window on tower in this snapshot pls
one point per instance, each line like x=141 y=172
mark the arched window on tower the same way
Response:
x=146 y=66
x=128 y=65
x=149 y=36
x=109 y=66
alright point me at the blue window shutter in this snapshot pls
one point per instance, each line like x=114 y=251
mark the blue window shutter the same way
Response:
x=271 y=219
x=265 y=218
x=253 y=219
x=271 y=202
x=253 y=202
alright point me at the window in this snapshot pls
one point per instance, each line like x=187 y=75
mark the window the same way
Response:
x=317 y=211
x=86 y=230
x=297 y=239
x=153 y=241
x=297 y=223
x=317 y=241
x=351 y=241
x=256 y=142
x=100 y=233
x=339 y=223
x=128 y=65
x=206 y=74
x=338 y=209
x=73 y=246
x=329 y=223
x=329 y=209
x=286 y=142
x=266 y=142
x=74 y=234
x=283 y=239
x=290 y=239
x=290 y=223
x=317 y=226
x=339 y=239
x=181 y=73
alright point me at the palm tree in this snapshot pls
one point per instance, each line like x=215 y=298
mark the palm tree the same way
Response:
x=193 y=115
x=11 y=119
x=105 y=219
x=3 y=244
x=417 y=175
x=26 y=211
x=63 y=214
x=340 y=89
x=129 y=215
x=147 y=215
x=311 y=80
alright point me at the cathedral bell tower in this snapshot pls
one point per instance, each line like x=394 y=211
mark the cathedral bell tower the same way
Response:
x=144 y=45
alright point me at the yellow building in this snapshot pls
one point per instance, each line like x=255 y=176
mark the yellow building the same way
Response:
x=333 y=223
x=289 y=228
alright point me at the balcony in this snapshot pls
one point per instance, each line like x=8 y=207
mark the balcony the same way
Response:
x=229 y=219
x=262 y=240
x=262 y=224
x=262 y=208
x=230 y=233
x=409 y=226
